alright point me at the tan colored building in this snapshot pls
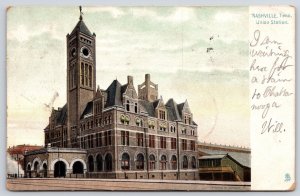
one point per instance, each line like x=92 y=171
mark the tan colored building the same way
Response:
x=115 y=132
x=224 y=163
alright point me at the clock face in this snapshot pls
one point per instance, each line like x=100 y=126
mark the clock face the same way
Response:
x=86 y=53
x=73 y=52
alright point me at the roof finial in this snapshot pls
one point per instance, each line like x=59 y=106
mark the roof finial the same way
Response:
x=80 y=9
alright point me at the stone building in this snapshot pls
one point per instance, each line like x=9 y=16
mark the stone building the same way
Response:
x=115 y=132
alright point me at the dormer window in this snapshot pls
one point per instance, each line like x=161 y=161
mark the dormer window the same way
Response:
x=135 y=108
x=192 y=132
x=127 y=105
x=162 y=114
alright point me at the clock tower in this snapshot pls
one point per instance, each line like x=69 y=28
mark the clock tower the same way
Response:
x=81 y=76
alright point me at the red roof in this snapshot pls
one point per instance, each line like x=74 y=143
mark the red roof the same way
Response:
x=20 y=149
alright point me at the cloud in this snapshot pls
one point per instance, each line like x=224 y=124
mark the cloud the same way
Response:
x=223 y=17
x=115 y=12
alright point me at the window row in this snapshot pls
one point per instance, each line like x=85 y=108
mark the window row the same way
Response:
x=162 y=141
x=140 y=162
x=102 y=164
x=72 y=77
x=184 y=132
x=184 y=145
x=125 y=119
x=86 y=76
x=107 y=120
x=128 y=108
x=97 y=140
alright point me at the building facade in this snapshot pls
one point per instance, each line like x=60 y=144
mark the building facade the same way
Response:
x=123 y=133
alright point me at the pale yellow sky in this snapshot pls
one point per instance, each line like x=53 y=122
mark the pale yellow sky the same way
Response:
x=169 y=43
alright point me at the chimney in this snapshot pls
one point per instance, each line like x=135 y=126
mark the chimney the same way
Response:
x=147 y=78
x=130 y=80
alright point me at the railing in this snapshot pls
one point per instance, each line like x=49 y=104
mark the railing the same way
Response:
x=15 y=176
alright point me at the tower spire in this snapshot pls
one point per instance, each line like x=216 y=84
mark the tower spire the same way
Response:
x=80 y=9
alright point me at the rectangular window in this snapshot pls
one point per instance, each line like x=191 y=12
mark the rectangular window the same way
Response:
x=82 y=73
x=140 y=139
x=163 y=142
x=92 y=141
x=193 y=146
x=173 y=143
x=162 y=114
x=109 y=138
x=184 y=144
x=152 y=141
x=98 y=139
x=125 y=138
x=105 y=138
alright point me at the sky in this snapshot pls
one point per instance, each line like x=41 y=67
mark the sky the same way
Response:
x=194 y=53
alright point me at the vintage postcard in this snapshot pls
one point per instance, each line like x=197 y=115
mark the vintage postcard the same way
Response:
x=151 y=98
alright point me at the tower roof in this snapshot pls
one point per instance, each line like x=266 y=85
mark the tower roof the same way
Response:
x=81 y=27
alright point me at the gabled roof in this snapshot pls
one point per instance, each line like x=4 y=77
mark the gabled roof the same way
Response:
x=123 y=88
x=88 y=109
x=221 y=156
x=114 y=96
x=242 y=158
x=155 y=103
x=180 y=108
x=61 y=116
x=81 y=27
x=172 y=109
x=148 y=107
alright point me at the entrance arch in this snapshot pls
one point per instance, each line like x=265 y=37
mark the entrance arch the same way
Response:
x=59 y=169
x=29 y=170
x=77 y=168
x=45 y=169
x=91 y=163
x=108 y=162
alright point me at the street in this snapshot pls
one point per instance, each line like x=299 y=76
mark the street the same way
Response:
x=68 y=184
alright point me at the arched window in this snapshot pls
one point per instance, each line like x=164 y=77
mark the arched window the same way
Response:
x=45 y=170
x=163 y=162
x=185 y=163
x=86 y=74
x=152 y=162
x=108 y=162
x=127 y=105
x=35 y=166
x=82 y=73
x=77 y=168
x=194 y=163
x=90 y=76
x=140 y=162
x=125 y=162
x=91 y=163
x=99 y=162
x=135 y=108
x=174 y=162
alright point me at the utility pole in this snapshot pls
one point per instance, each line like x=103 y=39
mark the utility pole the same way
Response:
x=18 y=164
